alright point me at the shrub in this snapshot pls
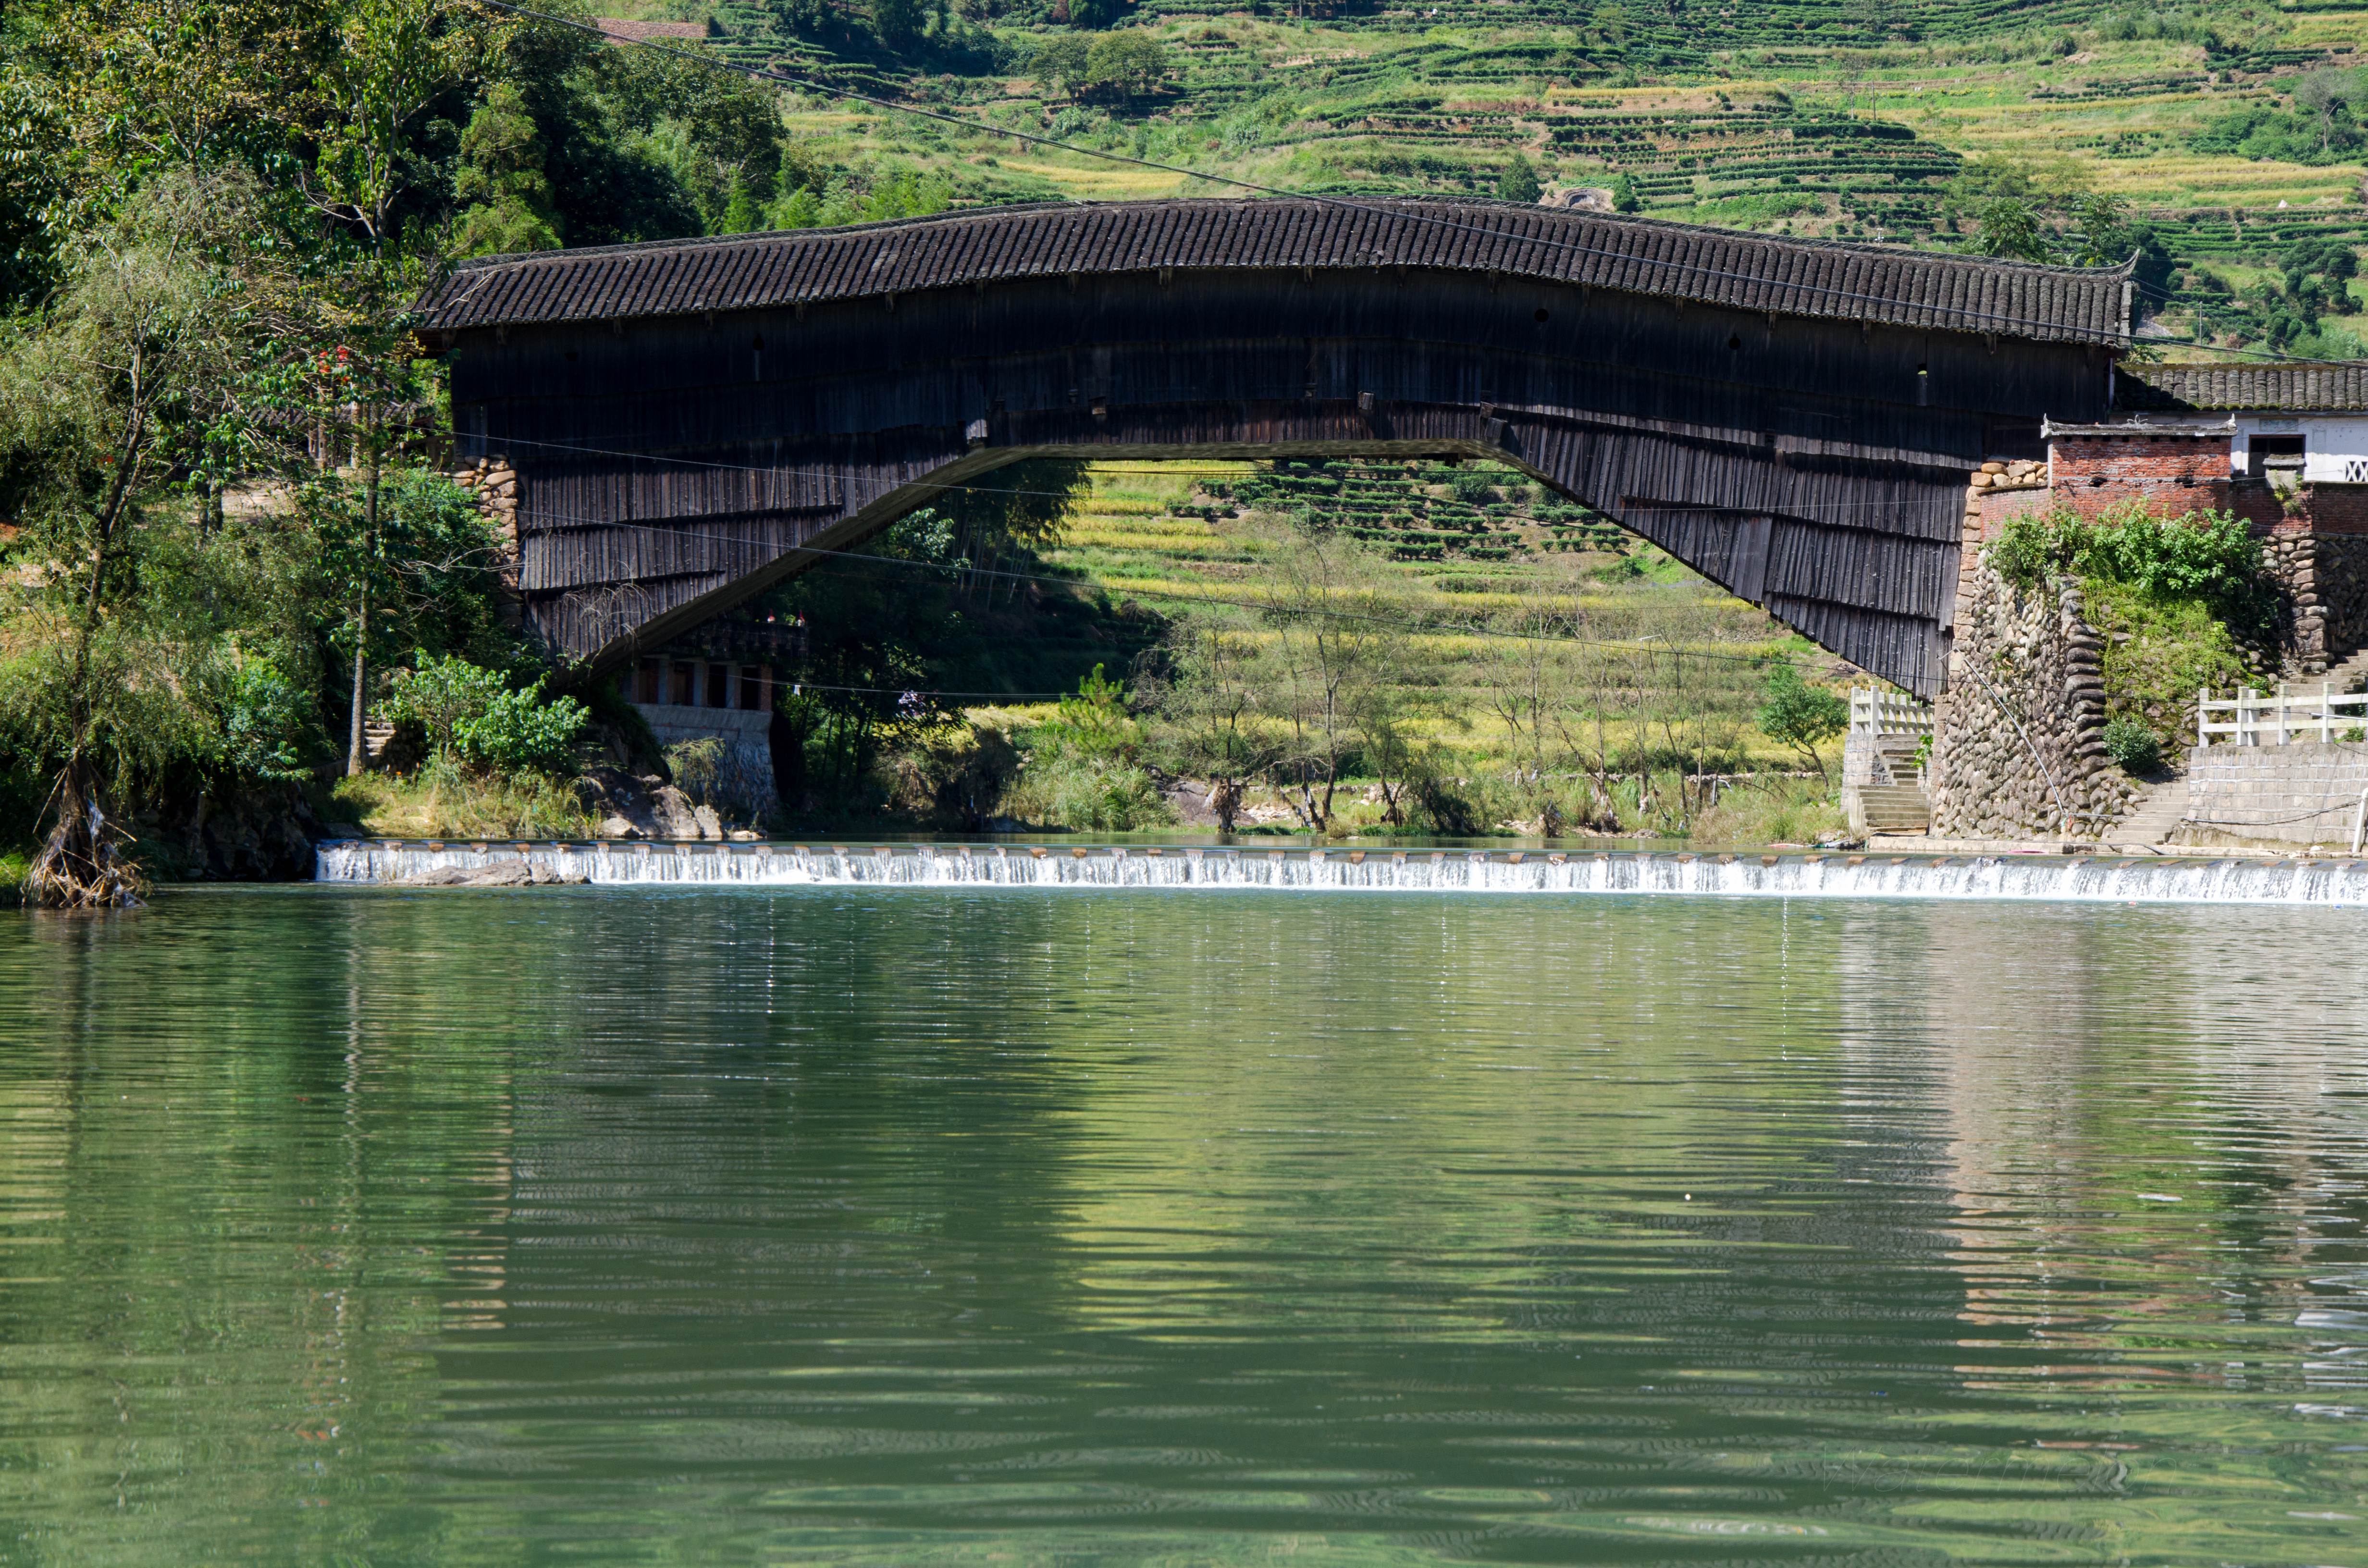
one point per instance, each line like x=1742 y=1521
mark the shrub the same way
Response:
x=2209 y=557
x=1520 y=182
x=1080 y=770
x=1060 y=790
x=2157 y=652
x=268 y=727
x=957 y=771
x=475 y=718
x=696 y=765
x=2132 y=743
x=1473 y=487
x=1094 y=724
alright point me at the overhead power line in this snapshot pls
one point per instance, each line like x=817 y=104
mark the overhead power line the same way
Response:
x=1401 y=623
x=825 y=472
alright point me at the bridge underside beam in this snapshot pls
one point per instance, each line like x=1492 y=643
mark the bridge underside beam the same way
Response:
x=1749 y=520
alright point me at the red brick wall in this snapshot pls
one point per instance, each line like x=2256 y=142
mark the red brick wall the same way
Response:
x=2169 y=475
x=1993 y=507
x=2322 y=509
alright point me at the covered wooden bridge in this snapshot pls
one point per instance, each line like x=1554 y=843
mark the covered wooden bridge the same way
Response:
x=691 y=420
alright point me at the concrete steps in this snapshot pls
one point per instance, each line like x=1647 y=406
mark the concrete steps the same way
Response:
x=2158 y=812
x=1896 y=803
x=2348 y=675
x=1896 y=807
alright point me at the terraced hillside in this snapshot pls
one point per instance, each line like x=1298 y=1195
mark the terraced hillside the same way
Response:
x=1890 y=122
x=1473 y=550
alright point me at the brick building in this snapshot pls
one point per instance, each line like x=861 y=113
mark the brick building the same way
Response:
x=2283 y=447
x=2168 y=464
x=2305 y=424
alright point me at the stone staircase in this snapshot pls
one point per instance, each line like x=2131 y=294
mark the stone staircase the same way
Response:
x=2154 y=818
x=375 y=734
x=1896 y=803
x=2348 y=675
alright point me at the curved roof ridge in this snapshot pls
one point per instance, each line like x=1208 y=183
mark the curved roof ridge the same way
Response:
x=1723 y=267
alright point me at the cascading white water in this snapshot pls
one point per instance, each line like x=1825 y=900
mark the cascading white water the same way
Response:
x=2323 y=882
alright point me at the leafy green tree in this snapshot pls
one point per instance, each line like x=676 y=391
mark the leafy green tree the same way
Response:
x=423 y=572
x=1520 y=182
x=899 y=23
x=34 y=187
x=1096 y=13
x=393 y=59
x=501 y=176
x=816 y=20
x=740 y=209
x=1624 y=197
x=1799 y=715
x=1059 y=65
x=1125 y=64
x=2010 y=229
x=102 y=395
x=2328 y=96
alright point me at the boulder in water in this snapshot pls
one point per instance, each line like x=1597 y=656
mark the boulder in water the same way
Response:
x=520 y=873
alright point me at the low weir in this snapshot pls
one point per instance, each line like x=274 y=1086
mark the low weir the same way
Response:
x=2327 y=882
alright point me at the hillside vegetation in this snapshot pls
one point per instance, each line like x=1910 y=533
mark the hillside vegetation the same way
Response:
x=2226 y=140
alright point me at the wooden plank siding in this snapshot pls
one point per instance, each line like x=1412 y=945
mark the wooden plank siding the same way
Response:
x=690 y=422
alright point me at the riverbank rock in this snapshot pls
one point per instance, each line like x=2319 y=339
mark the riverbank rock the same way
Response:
x=627 y=805
x=622 y=803
x=502 y=874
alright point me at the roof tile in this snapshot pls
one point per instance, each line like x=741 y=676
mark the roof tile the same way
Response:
x=1714 y=266
x=2327 y=388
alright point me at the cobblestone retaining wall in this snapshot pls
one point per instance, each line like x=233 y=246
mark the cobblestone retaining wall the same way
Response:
x=2018 y=743
x=2323 y=578
x=2304 y=794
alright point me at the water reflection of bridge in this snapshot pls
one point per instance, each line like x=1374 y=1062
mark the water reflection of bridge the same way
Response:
x=691 y=420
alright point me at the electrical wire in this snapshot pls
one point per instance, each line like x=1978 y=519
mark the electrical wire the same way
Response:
x=768 y=74
x=813 y=472
x=1395 y=622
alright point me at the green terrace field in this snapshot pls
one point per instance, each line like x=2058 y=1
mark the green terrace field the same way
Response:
x=1472 y=550
x=1872 y=120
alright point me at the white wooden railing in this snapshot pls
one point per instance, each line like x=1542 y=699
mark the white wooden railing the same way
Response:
x=1875 y=711
x=2257 y=719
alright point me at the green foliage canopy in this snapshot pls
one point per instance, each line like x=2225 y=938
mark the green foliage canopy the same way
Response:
x=2210 y=557
x=1799 y=715
x=475 y=717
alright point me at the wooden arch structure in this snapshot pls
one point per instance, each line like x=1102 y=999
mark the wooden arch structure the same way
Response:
x=690 y=421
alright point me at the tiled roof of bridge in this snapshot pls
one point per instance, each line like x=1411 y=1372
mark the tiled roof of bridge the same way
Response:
x=1713 y=265
x=2299 y=388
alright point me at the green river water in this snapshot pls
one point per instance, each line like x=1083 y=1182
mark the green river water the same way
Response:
x=946 y=1226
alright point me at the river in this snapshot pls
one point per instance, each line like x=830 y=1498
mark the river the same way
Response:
x=884 y=1223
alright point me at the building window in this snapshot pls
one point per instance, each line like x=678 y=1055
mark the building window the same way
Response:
x=719 y=685
x=648 y=681
x=686 y=691
x=2285 y=452
x=752 y=687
